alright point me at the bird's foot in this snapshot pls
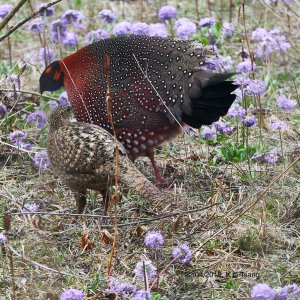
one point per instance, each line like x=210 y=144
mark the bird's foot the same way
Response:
x=160 y=181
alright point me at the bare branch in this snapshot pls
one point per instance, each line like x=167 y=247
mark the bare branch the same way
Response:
x=14 y=28
x=11 y=14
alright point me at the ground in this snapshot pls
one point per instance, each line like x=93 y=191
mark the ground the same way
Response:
x=238 y=213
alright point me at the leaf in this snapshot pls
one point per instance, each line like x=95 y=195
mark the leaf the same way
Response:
x=176 y=224
x=7 y=221
x=106 y=237
x=141 y=229
x=85 y=244
x=204 y=40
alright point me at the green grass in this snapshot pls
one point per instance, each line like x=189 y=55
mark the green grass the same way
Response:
x=263 y=241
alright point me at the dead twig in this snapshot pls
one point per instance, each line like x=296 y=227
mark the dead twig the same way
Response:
x=11 y=14
x=137 y=222
x=32 y=262
x=17 y=26
x=107 y=66
x=28 y=92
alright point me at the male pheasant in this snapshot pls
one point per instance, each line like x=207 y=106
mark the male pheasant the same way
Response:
x=83 y=156
x=155 y=85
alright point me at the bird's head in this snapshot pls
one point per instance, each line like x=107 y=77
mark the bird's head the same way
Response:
x=61 y=115
x=52 y=78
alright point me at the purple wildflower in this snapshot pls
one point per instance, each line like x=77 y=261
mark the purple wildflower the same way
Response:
x=212 y=63
x=70 y=39
x=3 y=238
x=242 y=79
x=264 y=49
x=262 y=291
x=38 y=117
x=30 y=207
x=107 y=16
x=126 y=289
x=255 y=86
x=271 y=157
x=36 y=25
x=17 y=137
x=142 y=295
x=269 y=41
x=123 y=27
x=26 y=146
x=41 y=160
x=190 y=131
x=227 y=29
x=182 y=253
x=149 y=269
x=249 y=121
x=46 y=12
x=120 y=288
x=63 y=99
x=214 y=48
x=158 y=29
x=72 y=294
x=140 y=28
x=207 y=22
x=113 y=284
x=52 y=104
x=72 y=16
x=236 y=111
x=288 y=292
x=219 y=126
x=57 y=30
x=154 y=239
x=227 y=63
x=3 y=109
x=96 y=35
x=259 y=34
x=5 y=9
x=46 y=56
x=14 y=79
x=167 y=13
x=281 y=44
x=223 y=127
x=279 y=125
x=184 y=27
x=208 y=133
x=285 y=103
x=245 y=66
x=103 y=34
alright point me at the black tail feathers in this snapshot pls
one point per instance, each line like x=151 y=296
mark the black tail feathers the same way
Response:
x=214 y=102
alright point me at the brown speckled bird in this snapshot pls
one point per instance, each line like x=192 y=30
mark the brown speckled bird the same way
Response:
x=83 y=156
x=156 y=85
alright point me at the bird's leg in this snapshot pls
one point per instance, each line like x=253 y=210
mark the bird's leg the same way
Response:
x=80 y=197
x=160 y=181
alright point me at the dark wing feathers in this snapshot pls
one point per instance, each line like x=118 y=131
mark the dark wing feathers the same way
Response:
x=211 y=102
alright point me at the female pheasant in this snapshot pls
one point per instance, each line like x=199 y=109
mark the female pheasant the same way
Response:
x=83 y=156
x=155 y=86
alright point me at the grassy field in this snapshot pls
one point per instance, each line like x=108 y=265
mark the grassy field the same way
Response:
x=233 y=198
